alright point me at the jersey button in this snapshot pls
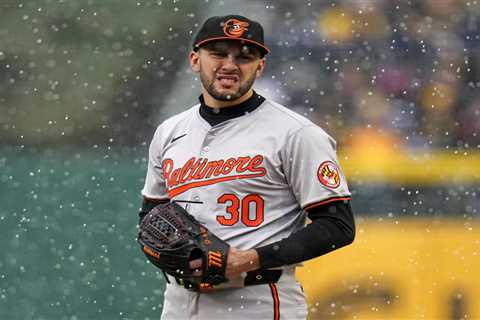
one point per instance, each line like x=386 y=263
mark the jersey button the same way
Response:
x=206 y=149
x=196 y=198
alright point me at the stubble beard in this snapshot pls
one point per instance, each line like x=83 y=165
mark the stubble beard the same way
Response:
x=209 y=85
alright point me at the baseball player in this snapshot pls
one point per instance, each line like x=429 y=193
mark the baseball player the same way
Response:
x=251 y=171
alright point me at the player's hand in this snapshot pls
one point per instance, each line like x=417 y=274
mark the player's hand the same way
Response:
x=241 y=261
x=238 y=262
x=196 y=267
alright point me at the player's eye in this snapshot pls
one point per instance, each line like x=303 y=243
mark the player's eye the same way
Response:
x=219 y=54
x=245 y=58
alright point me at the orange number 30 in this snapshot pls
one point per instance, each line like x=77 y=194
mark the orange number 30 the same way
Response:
x=237 y=210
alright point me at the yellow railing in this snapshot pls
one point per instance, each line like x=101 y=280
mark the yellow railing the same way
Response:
x=423 y=168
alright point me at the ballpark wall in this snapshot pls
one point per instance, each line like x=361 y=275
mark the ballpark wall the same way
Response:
x=399 y=269
x=67 y=237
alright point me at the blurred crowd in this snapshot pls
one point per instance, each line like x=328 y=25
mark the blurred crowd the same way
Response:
x=383 y=77
x=380 y=74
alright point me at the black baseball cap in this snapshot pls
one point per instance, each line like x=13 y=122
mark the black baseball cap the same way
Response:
x=231 y=27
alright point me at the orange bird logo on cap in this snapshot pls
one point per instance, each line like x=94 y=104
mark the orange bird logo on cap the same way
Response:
x=235 y=28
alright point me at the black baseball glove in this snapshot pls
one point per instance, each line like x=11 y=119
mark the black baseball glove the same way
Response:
x=170 y=238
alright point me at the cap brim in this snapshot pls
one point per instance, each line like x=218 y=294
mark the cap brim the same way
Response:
x=264 y=49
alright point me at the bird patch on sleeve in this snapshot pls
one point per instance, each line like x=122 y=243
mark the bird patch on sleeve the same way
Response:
x=329 y=174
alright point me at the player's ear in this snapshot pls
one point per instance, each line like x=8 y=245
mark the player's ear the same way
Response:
x=260 y=68
x=194 y=59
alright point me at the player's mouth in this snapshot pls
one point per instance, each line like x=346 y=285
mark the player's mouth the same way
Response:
x=228 y=80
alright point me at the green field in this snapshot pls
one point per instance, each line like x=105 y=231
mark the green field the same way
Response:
x=67 y=237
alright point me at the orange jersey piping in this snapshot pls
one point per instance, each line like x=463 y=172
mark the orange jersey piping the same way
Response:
x=321 y=203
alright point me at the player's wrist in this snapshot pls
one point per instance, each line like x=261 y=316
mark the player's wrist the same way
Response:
x=252 y=260
x=241 y=261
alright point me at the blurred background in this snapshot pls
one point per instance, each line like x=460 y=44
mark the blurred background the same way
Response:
x=84 y=83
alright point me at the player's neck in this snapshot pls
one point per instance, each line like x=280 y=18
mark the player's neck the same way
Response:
x=214 y=103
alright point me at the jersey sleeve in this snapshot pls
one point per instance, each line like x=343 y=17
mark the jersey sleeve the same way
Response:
x=311 y=167
x=154 y=187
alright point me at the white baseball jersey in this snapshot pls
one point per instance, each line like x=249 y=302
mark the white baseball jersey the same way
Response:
x=248 y=178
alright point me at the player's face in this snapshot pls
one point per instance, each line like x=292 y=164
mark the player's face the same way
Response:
x=227 y=69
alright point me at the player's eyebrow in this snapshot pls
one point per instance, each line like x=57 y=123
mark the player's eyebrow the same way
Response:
x=223 y=47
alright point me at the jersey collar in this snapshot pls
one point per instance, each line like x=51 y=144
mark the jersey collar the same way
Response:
x=217 y=116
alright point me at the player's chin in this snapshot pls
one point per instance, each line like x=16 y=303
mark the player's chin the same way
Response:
x=231 y=86
x=227 y=91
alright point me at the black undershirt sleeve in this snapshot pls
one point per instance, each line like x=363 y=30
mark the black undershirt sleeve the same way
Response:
x=332 y=227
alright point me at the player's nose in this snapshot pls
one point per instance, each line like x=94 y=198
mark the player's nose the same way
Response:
x=229 y=63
